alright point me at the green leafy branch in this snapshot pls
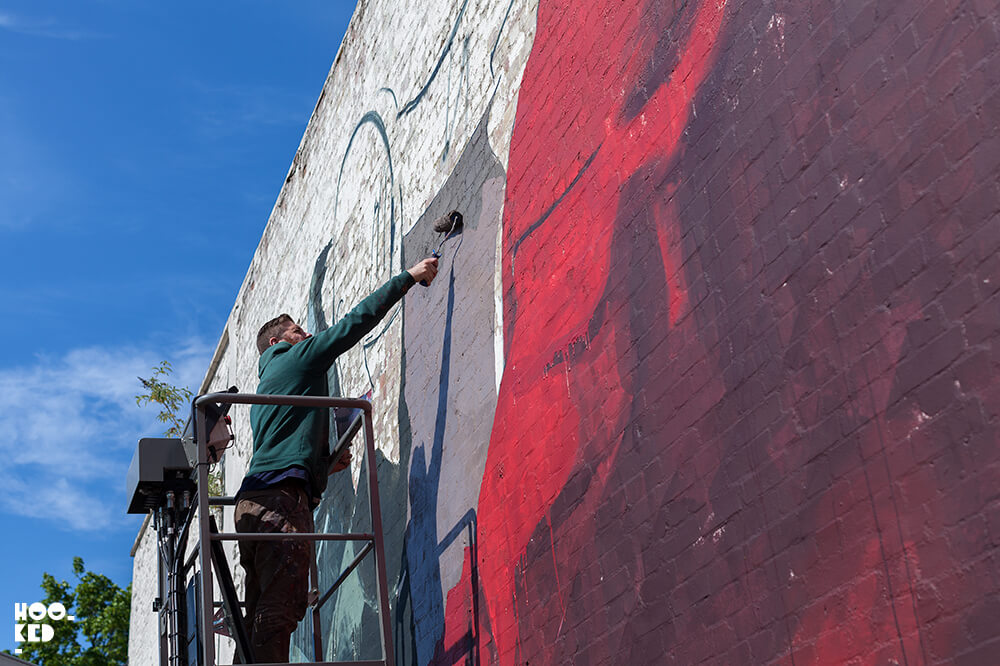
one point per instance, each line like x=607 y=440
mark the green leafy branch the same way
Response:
x=170 y=398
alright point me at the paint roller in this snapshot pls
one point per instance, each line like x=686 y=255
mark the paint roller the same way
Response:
x=447 y=225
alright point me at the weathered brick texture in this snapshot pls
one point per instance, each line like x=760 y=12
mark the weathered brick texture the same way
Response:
x=708 y=377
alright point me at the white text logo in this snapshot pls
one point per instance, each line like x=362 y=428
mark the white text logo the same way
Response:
x=28 y=626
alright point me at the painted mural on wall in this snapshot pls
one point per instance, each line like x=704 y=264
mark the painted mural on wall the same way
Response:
x=707 y=443
x=591 y=275
x=450 y=331
x=706 y=377
x=450 y=396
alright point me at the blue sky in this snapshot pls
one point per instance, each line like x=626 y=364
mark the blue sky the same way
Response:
x=142 y=146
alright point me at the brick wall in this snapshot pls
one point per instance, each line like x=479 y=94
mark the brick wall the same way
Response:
x=743 y=310
x=708 y=376
x=143 y=633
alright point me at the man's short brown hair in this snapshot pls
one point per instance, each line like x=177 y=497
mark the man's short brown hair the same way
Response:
x=272 y=329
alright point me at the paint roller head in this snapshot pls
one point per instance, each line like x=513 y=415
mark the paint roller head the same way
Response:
x=448 y=223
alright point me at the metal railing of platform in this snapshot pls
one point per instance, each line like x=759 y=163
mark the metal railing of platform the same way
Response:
x=373 y=541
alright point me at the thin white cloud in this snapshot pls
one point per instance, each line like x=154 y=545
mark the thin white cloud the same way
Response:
x=34 y=184
x=61 y=501
x=70 y=426
x=46 y=28
x=234 y=109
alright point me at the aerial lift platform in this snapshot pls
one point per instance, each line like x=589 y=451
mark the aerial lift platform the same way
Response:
x=169 y=478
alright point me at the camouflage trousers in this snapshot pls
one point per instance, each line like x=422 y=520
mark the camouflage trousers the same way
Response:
x=277 y=571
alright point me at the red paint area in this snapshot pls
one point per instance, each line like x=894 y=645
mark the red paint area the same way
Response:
x=463 y=622
x=567 y=393
x=747 y=413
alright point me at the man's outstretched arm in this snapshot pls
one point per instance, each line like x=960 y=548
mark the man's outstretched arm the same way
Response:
x=321 y=349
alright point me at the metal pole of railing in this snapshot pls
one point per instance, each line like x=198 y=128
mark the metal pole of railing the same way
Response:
x=289 y=536
x=317 y=628
x=293 y=400
x=345 y=573
x=207 y=590
x=379 y=662
x=376 y=509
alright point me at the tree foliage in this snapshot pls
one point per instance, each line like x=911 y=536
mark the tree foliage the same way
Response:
x=98 y=634
x=170 y=398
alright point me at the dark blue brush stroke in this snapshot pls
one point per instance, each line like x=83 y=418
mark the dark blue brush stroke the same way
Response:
x=493 y=51
x=412 y=104
x=421 y=533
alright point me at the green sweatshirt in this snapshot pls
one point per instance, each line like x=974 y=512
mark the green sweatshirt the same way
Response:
x=285 y=436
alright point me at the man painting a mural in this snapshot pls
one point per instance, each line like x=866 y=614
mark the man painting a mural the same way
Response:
x=288 y=471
